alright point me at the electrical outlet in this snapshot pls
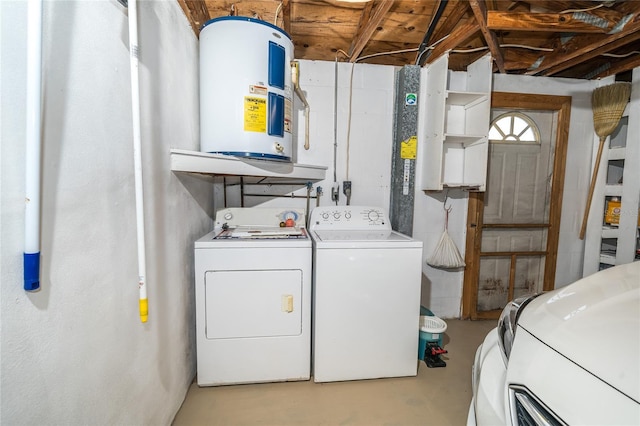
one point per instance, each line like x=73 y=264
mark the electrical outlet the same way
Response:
x=335 y=193
x=346 y=187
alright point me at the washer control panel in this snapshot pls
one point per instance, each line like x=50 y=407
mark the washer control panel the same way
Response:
x=349 y=217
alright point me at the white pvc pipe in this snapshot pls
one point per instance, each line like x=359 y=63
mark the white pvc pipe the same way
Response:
x=295 y=77
x=33 y=147
x=137 y=157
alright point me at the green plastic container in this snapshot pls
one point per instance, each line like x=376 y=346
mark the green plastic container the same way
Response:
x=432 y=329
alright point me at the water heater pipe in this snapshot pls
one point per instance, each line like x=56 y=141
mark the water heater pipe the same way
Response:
x=33 y=170
x=295 y=78
x=137 y=156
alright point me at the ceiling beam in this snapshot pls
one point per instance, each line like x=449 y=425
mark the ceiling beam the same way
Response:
x=621 y=66
x=458 y=36
x=453 y=19
x=539 y=22
x=585 y=48
x=367 y=28
x=438 y=9
x=516 y=59
x=447 y=27
x=479 y=9
x=197 y=13
x=598 y=9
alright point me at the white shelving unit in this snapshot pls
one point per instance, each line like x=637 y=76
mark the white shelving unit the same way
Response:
x=225 y=165
x=606 y=243
x=454 y=125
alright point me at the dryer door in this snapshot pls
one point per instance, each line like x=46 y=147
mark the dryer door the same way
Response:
x=253 y=303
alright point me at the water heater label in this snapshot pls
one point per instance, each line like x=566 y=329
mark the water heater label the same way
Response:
x=287 y=115
x=257 y=90
x=255 y=114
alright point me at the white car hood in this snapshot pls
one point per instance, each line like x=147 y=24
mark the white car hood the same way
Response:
x=595 y=323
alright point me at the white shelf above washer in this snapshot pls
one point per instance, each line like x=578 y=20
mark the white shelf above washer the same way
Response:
x=225 y=165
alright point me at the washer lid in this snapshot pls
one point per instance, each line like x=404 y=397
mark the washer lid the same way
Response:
x=363 y=239
x=360 y=236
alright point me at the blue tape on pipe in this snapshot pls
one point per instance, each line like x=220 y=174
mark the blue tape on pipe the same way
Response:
x=31 y=271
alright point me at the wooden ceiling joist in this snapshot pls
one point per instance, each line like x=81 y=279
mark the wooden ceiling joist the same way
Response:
x=197 y=13
x=565 y=38
x=590 y=7
x=366 y=31
x=621 y=66
x=456 y=13
x=479 y=9
x=583 y=49
x=539 y=22
x=459 y=36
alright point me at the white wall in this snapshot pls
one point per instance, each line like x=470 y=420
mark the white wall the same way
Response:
x=363 y=153
x=75 y=352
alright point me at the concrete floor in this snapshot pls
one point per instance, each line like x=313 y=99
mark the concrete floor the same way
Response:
x=436 y=396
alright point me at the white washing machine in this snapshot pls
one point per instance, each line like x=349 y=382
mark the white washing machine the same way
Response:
x=253 y=298
x=366 y=301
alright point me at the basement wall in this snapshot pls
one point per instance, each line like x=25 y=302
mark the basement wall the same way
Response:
x=76 y=353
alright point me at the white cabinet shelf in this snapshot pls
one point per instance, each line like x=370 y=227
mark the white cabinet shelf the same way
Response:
x=613 y=190
x=454 y=125
x=615 y=242
x=224 y=165
x=465 y=99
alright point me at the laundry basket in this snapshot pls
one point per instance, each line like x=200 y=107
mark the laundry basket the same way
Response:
x=431 y=330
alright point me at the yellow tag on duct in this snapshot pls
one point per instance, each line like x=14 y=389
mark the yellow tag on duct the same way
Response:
x=408 y=148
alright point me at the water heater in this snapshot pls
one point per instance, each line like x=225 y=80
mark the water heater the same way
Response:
x=245 y=89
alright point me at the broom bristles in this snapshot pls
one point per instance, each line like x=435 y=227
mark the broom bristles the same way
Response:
x=608 y=104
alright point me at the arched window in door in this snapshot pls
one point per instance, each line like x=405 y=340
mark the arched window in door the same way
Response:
x=514 y=127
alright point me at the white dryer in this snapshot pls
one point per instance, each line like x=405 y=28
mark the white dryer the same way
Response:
x=253 y=298
x=366 y=301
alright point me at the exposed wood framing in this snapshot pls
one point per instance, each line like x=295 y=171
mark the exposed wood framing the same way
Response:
x=197 y=13
x=591 y=8
x=366 y=31
x=576 y=52
x=539 y=22
x=479 y=9
x=456 y=13
x=459 y=36
x=621 y=66
x=574 y=34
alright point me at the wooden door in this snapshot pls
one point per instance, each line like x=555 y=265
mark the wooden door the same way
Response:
x=512 y=229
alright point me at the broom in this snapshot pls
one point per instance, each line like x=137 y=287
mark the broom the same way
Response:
x=607 y=103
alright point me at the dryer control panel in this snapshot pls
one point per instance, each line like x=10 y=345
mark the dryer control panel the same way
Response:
x=349 y=218
x=259 y=217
